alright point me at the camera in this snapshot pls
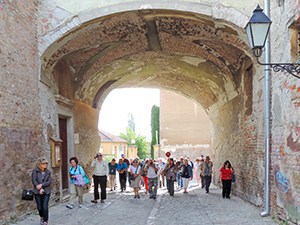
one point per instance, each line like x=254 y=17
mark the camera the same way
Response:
x=97 y=156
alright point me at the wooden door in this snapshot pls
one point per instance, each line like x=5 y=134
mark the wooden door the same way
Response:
x=65 y=164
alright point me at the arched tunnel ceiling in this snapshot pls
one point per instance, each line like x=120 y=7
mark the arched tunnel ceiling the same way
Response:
x=187 y=53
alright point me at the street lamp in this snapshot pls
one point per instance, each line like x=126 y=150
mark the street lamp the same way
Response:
x=257 y=30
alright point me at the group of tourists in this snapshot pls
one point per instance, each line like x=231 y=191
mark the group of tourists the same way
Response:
x=152 y=174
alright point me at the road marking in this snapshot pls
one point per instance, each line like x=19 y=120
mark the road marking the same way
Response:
x=153 y=214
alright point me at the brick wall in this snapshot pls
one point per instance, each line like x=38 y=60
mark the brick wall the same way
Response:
x=20 y=128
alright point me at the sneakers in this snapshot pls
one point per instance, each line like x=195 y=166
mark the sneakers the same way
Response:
x=80 y=206
x=69 y=206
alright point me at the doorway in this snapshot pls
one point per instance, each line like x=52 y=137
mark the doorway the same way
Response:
x=64 y=137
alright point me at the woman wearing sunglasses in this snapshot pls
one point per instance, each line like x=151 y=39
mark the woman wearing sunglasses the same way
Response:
x=41 y=180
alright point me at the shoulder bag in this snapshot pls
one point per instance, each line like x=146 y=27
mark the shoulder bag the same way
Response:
x=233 y=178
x=85 y=178
x=132 y=177
x=27 y=195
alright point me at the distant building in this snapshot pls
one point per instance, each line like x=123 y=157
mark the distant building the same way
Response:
x=112 y=145
x=185 y=128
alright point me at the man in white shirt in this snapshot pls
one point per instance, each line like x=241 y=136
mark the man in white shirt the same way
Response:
x=100 y=177
x=152 y=175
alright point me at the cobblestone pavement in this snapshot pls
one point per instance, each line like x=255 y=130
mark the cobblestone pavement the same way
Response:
x=194 y=208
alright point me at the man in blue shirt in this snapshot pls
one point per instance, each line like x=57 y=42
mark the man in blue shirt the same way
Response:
x=122 y=169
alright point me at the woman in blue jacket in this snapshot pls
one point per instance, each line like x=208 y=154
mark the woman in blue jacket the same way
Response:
x=186 y=174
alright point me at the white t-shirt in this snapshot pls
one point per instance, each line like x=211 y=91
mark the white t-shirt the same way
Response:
x=134 y=170
x=151 y=172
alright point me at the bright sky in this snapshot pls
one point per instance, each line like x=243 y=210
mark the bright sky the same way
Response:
x=119 y=103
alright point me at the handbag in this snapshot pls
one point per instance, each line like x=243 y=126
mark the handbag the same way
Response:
x=233 y=178
x=27 y=195
x=132 y=177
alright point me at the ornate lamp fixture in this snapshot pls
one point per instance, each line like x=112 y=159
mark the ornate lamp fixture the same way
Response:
x=257 y=30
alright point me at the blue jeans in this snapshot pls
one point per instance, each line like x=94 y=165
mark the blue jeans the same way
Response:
x=42 y=205
x=179 y=180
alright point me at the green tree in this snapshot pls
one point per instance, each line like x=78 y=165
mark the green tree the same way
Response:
x=140 y=141
x=155 y=134
x=131 y=122
x=142 y=146
x=129 y=136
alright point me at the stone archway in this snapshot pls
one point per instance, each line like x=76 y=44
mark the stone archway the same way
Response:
x=195 y=55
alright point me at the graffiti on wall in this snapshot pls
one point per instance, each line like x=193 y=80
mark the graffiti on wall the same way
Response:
x=285 y=193
x=282 y=183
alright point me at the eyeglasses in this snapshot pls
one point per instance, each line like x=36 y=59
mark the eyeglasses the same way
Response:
x=45 y=163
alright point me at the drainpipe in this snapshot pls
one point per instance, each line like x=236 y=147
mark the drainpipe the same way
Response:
x=267 y=106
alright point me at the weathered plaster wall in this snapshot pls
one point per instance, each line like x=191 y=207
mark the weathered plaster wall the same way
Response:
x=285 y=113
x=86 y=125
x=20 y=124
x=236 y=137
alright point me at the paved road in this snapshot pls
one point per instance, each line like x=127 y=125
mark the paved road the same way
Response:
x=194 y=208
